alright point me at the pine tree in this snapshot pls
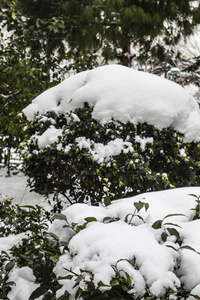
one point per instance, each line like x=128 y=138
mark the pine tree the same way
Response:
x=78 y=29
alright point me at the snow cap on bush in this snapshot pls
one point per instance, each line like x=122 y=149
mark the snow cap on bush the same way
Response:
x=114 y=240
x=117 y=92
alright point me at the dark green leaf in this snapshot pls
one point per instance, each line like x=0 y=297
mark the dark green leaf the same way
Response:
x=128 y=279
x=100 y=284
x=139 y=205
x=172 y=224
x=193 y=195
x=173 y=231
x=173 y=215
x=9 y=266
x=107 y=220
x=195 y=296
x=10 y=283
x=126 y=218
x=114 y=282
x=90 y=219
x=157 y=224
x=188 y=247
x=58 y=216
x=146 y=206
x=68 y=277
x=38 y=292
x=172 y=247
x=65 y=244
x=164 y=236
x=140 y=218
x=107 y=201
x=51 y=234
x=54 y=258
x=80 y=227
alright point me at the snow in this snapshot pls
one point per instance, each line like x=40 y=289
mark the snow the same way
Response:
x=8 y=243
x=189 y=46
x=143 y=141
x=124 y=94
x=25 y=284
x=53 y=98
x=101 y=246
x=16 y=187
x=49 y=137
x=190 y=276
x=102 y=152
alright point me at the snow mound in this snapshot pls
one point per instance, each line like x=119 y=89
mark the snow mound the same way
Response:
x=24 y=284
x=120 y=93
x=103 y=246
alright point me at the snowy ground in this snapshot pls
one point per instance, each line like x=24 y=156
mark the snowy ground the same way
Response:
x=16 y=187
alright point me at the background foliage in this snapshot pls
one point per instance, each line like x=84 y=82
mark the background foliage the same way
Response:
x=73 y=28
x=23 y=75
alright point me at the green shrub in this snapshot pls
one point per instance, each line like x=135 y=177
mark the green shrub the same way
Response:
x=38 y=250
x=149 y=160
x=15 y=219
x=6 y=265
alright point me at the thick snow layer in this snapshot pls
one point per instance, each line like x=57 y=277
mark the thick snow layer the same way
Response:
x=25 y=284
x=49 y=137
x=101 y=245
x=124 y=94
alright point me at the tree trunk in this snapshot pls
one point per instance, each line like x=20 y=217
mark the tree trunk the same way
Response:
x=126 y=56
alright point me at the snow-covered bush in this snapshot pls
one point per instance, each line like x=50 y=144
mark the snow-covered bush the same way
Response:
x=27 y=253
x=145 y=247
x=89 y=161
x=112 y=132
x=142 y=247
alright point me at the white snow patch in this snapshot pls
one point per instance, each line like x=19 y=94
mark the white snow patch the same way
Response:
x=55 y=97
x=25 y=284
x=7 y=243
x=195 y=292
x=49 y=137
x=120 y=93
x=182 y=152
x=101 y=152
x=143 y=141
